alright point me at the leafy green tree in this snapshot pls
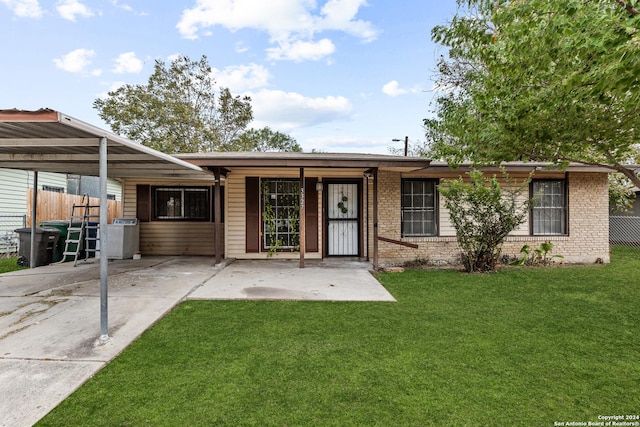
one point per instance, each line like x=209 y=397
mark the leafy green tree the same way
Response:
x=178 y=110
x=483 y=214
x=264 y=139
x=539 y=80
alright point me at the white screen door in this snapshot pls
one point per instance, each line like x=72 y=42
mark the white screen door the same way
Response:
x=342 y=220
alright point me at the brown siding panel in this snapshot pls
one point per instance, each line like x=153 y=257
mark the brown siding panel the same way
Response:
x=177 y=238
x=252 y=198
x=143 y=202
x=311 y=216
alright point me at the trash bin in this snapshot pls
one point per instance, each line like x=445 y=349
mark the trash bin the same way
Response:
x=46 y=241
x=63 y=226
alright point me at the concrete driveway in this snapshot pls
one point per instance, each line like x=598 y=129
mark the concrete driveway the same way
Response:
x=50 y=316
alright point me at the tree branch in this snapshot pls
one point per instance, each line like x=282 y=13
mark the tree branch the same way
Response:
x=615 y=166
x=630 y=9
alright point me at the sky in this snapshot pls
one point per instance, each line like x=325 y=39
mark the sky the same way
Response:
x=337 y=75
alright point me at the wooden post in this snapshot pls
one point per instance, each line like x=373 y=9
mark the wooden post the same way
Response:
x=217 y=216
x=375 y=218
x=302 y=215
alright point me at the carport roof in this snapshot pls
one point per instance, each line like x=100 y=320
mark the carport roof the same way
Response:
x=49 y=141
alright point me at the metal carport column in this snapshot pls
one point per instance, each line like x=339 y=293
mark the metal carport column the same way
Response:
x=104 y=238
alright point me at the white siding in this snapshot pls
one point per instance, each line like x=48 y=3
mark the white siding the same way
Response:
x=14 y=184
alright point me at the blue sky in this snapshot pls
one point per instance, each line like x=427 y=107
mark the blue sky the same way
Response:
x=337 y=75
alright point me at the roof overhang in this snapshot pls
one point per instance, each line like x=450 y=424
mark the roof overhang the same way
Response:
x=49 y=141
x=524 y=167
x=230 y=160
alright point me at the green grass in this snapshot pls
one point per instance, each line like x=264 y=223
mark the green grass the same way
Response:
x=9 y=264
x=519 y=347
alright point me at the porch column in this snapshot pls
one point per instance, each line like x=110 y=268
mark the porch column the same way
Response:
x=217 y=216
x=302 y=215
x=104 y=244
x=375 y=218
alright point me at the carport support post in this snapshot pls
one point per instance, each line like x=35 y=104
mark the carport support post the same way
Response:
x=34 y=212
x=104 y=238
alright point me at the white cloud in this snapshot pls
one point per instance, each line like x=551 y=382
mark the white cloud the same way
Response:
x=24 y=8
x=122 y=6
x=291 y=24
x=241 y=47
x=127 y=63
x=240 y=78
x=76 y=61
x=70 y=9
x=347 y=144
x=393 y=89
x=126 y=8
x=301 y=51
x=288 y=110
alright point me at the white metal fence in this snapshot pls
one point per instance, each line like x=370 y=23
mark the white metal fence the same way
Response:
x=625 y=230
x=9 y=239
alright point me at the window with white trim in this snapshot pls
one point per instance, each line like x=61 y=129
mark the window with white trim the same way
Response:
x=419 y=207
x=549 y=208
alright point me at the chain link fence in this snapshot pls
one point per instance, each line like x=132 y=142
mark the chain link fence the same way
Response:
x=625 y=230
x=9 y=239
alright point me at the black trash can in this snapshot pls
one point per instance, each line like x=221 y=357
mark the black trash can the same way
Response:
x=46 y=241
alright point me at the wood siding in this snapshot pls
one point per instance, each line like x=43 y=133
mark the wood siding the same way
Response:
x=177 y=238
x=170 y=237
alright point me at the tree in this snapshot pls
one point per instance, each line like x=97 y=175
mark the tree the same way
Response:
x=264 y=139
x=539 y=80
x=178 y=110
x=483 y=214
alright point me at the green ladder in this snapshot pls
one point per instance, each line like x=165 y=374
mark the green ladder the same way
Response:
x=83 y=227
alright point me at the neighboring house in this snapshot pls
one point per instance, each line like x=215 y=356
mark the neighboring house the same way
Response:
x=14 y=185
x=386 y=209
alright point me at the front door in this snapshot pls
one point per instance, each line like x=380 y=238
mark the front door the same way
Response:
x=343 y=219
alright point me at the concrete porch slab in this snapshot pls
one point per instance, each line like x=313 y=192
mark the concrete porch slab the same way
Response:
x=284 y=280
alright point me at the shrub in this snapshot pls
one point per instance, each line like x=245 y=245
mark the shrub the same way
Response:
x=483 y=214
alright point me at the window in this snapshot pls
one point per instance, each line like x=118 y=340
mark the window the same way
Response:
x=549 y=210
x=192 y=203
x=419 y=208
x=280 y=214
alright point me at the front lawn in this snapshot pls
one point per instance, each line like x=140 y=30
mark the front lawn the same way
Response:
x=519 y=347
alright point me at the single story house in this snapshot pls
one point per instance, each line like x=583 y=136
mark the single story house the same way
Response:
x=381 y=208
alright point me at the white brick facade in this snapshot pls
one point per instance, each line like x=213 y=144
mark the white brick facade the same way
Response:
x=587 y=240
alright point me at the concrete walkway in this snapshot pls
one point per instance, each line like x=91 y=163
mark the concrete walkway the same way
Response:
x=50 y=316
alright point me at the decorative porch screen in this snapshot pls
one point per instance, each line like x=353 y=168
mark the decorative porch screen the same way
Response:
x=280 y=214
x=419 y=204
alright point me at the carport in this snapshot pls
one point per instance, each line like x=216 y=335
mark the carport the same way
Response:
x=49 y=141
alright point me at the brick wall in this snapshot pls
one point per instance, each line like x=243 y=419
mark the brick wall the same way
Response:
x=586 y=242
